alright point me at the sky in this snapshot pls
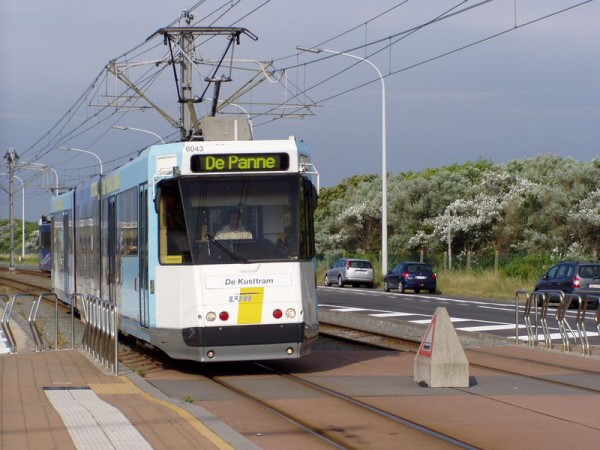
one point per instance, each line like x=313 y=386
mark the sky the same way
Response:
x=531 y=89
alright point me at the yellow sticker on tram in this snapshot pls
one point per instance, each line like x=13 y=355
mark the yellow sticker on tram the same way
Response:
x=173 y=259
x=250 y=310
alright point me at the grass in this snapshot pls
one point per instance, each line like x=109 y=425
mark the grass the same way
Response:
x=28 y=259
x=478 y=284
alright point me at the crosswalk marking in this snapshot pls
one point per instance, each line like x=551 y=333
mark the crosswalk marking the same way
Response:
x=393 y=314
x=452 y=319
x=508 y=326
x=426 y=319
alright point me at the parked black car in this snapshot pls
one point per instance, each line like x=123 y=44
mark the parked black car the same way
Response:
x=570 y=276
x=411 y=275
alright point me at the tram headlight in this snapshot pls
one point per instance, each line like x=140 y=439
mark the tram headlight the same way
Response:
x=211 y=316
x=290 y=313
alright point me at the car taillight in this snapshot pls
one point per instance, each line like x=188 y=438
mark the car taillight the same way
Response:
x=434 y=276
x=406 y=274
x=348 y=265
x=576 y=282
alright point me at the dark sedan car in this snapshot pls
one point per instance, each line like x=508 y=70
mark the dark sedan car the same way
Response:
x=411 y=275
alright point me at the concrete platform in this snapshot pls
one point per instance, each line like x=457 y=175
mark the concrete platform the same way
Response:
x=496 y=410
x=28 y=419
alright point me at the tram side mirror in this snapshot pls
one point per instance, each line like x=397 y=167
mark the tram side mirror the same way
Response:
x=311 y=190
x=315 y=196
x=157 y=199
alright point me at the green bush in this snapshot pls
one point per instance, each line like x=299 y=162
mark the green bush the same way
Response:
x=529 y=266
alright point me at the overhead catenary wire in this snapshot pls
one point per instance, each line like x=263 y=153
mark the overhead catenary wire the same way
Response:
x=415 y=65
x=66 y=129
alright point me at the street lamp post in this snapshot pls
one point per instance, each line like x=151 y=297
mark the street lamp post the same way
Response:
x=84 y=151
x=22 y=217
x=384 y=233
x=119 y=127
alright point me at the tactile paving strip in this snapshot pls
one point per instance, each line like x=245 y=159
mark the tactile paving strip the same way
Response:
x=93 y=423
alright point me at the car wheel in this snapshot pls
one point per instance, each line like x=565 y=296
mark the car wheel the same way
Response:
x=401 y=287
x=386 y=288
x=417 y=291
x=369 y=285
x=432 y=291
x=340 y=282
x=327 y=282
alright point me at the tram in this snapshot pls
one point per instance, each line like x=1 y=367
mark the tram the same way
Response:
x=44 y=244
x=206 y=247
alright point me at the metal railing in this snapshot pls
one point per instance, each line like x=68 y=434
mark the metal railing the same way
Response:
x=538 y=302
x=6 y=316
x=8 y=334
x=100 y=319
x=100 y=337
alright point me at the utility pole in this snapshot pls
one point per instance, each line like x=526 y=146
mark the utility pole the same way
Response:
x=11 y=159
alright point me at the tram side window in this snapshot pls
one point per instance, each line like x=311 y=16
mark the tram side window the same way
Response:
x=57 y=249
x=174 y=243
x=128 y=222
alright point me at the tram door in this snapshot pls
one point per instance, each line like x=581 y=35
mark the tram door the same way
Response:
x=67 y=253
x=111 y=249
x=143 y=255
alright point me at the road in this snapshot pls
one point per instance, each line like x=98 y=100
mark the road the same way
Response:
x=485 y=316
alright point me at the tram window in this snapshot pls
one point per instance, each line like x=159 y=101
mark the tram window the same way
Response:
x=174 y=244
x=128 y=222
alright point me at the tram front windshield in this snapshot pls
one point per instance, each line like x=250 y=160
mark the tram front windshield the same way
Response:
x=229 y=220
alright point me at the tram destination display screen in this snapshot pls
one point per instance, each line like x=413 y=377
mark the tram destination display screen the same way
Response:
x=240 y=162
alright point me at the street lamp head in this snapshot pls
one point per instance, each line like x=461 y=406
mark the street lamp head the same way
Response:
x=119 y=127
x=73 y=149
x=308 y=49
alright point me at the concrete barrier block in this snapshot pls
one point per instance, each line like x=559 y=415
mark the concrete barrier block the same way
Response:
x=441 y=360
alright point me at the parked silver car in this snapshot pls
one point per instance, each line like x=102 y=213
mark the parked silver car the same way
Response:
x=351 y=271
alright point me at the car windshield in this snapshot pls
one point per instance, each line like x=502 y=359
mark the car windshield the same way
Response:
x=418 y=268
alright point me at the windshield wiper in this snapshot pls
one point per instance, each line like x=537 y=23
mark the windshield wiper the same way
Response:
x=230 y=252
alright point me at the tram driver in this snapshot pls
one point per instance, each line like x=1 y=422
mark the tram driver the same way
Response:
x=233 y=229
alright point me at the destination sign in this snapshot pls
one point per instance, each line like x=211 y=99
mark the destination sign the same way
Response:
x=236 y=162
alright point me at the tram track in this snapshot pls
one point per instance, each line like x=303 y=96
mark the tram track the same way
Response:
x=265 y=386
x=262 y=384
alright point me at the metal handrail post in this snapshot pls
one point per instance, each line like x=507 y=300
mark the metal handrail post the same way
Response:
x=56 y=322
x=30 y=322
x=598 y=316
x=74 y=298
x=103 y=334
x=563 y=325
x=37 y=336
x=580 y=322
x=527 y=300
x=540 y=299
x=531 y=337
x=116 y=338
x=6 y=325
